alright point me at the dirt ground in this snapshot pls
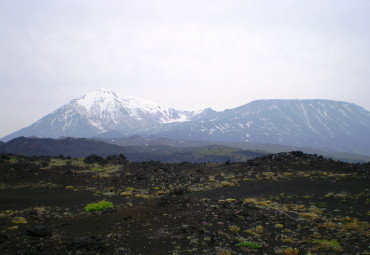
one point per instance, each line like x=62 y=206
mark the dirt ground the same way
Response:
x=287 y=203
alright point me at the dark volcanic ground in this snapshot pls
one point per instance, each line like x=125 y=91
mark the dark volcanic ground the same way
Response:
x=288 y=203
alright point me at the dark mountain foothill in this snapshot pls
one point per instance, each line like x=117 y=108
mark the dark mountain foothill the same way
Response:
x=137 y=148
x=284 y=203
x=2 y=150
x=134 y=151
x=68 y=146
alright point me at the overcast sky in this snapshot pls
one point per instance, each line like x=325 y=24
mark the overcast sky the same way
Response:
x=185 y=54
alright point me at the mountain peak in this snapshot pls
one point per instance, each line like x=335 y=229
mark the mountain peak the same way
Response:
x=101 y=96
x=101 y=111
x=106 y=98
x=101 y=93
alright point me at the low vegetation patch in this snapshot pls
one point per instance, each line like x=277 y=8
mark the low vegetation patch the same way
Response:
x=328 y=245
x=99 y=206
x=249 y=244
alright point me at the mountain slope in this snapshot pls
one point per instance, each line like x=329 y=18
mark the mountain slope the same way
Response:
x=99 y=112
x=323 y=124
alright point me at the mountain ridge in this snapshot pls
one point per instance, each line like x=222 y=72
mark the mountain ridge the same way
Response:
x=316 y=123
x=321 y=124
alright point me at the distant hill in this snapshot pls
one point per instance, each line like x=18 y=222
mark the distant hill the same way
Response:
x=166 y=146
x=1 y=146
x=74 y=147
x=211 y=153
x=137 y=140
x=82 y=147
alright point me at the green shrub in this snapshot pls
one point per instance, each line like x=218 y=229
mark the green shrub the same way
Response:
x=98 y=206
x=13 y=160
x=249 y=244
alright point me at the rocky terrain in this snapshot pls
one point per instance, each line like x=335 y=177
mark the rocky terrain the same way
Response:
x=286 y=203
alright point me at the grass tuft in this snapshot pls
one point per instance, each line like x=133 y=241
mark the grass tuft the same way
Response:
x=99 y=206
x=249 y=244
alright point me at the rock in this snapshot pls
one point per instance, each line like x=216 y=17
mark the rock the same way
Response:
x=297 y=153
x=161 y=233
x=39 y=231
x=3 y=237
x=180 y=190
x=23 y=252
x=109 y=210
x=89 y=243
x=40 y=210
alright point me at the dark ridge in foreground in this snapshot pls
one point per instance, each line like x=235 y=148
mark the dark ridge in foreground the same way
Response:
x=285 y=203
x=67 y=146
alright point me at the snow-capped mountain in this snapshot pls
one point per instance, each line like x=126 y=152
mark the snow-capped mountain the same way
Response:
x=323 y=124
x=103 y=111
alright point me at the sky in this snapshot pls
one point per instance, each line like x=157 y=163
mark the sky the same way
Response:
x=188 y=54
